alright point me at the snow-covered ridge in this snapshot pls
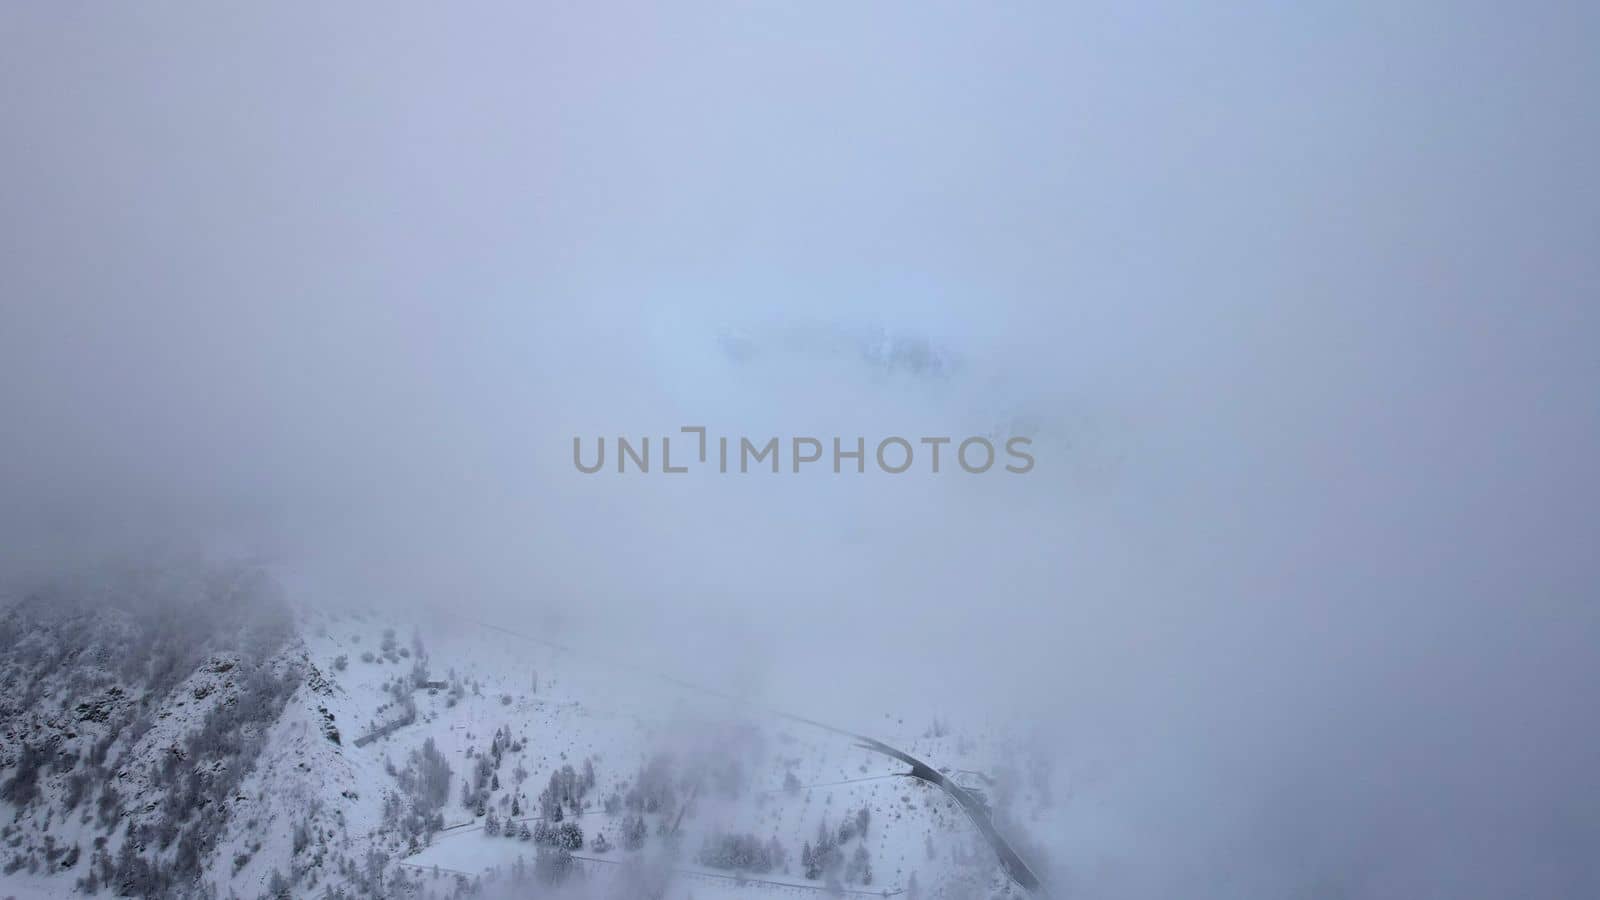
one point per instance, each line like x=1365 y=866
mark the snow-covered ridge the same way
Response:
x=201 y=736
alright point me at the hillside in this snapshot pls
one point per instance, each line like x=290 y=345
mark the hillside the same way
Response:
x=192 y=731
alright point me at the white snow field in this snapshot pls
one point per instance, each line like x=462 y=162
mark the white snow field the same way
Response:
x=360 y=754
x=583 y=710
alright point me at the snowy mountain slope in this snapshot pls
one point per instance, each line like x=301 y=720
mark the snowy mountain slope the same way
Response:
x=135 y=702
x=299 y=752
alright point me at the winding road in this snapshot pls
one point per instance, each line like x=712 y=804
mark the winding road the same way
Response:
x=1010 y=860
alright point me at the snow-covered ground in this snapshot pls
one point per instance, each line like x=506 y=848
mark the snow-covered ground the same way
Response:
x=581 y=709
x=653 y=781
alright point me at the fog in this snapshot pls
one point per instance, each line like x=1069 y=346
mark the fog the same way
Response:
x=1297 y=305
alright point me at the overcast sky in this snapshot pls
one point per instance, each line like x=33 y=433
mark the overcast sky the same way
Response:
x=1299 y=302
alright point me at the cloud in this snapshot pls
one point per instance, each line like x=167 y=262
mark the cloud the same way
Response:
x=1298 y=320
